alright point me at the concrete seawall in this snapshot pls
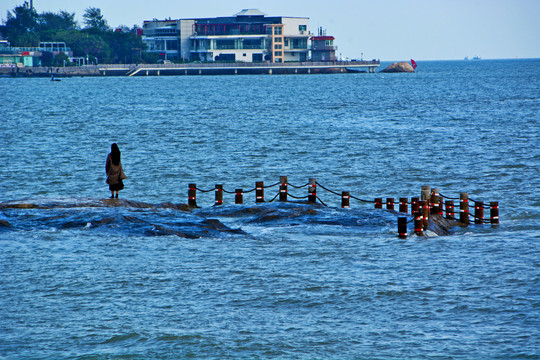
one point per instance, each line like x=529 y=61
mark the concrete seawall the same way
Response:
x=194 y=69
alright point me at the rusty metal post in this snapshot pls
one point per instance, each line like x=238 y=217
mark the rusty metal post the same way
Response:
x=425 y=213
x=425 y=193
x=402 y=227
x=434 y=201
x=312 y=190
x=345 y=199
x=259 y=191
x=414 y=205
x=479 y=212
x=219 y=195
x=464 y=208
x=494 y=212
x=403 y=208
x=418 y=222
x=192 y=195
x=390 y=203
x=450 y=212
x=239 y=196
x=283 y=188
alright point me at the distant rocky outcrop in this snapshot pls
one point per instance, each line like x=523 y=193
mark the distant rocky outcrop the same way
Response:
x=399 y=67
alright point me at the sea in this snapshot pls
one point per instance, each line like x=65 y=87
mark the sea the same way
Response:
x=83 y=276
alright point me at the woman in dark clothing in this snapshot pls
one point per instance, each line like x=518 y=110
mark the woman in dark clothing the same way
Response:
x=114 y=170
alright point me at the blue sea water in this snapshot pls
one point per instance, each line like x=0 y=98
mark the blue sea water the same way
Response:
x=86 y=277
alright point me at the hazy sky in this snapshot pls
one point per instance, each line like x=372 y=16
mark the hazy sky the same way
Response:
x=384 y=29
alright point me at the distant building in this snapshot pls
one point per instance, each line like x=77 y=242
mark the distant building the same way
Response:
x=248 y=36
x=322 y=47
x=18 y=57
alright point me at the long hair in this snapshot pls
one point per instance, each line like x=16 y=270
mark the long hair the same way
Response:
x=115 y=154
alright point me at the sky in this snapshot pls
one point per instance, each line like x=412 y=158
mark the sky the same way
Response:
x=389 y=30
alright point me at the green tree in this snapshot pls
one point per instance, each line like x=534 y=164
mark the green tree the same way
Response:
x=49 y=21
x=93 y=19
x=22 y=26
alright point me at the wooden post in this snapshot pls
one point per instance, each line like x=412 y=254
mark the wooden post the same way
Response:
x=390 y=203
x=192 y=195
x=312 y=190
x=479 y=212
x=414 y=205
x=378 y=203
x=345 y=199
x=434 y=201
x=219 y=195
x=283 y=188
x=259 y=191
x=418 y=223
x=425 y=213
x=403 y=208
x=402 y=226
x=425 y=193
x=450 y=212
x=464 y=208
x=441 y=206
x=494 y=213
x=239 y=196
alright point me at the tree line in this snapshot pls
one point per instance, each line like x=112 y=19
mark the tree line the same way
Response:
x=96 y=41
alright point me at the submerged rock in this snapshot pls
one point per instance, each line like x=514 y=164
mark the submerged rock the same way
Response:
x=399 y=67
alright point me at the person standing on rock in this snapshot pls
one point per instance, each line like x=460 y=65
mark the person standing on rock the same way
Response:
x=114 y=170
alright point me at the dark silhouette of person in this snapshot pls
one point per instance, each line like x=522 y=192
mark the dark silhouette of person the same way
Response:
x=114 y=170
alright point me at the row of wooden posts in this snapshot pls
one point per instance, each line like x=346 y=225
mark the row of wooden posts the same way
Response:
x=430 y=202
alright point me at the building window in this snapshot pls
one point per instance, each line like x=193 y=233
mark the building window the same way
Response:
x=278 y=39
x=278 y=46
x=224 y=44
x=329 y=42
x=302 y=28
x=277 y=31
x=278 y=53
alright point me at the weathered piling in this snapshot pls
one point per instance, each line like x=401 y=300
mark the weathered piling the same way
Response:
x=479 y=212
x=283 y=188
x=434 y=201
x=312 y=190
x=425 y=194
x=414 y=205
x=494 y=212
x=192 y=195
x=402 y=227
x=464 y=208
x=450 y=210
x=259 y=191
x=345 y=199
x=219 y=194
x=390 y=203
x=418 y=222
x=378 y=203
x=403 y=207
x=424 y=204
x=239 y=196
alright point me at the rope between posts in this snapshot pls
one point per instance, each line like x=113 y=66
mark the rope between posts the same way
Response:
x=331 y=191
x=297 y=187
x=298 y=197
x=269 y=186
x=205 y=191
x=362 y=200
x=322 y=201
x=274 y=197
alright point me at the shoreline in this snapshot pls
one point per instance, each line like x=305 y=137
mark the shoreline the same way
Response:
x=194 y=69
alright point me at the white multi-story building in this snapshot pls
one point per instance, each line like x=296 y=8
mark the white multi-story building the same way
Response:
x=249 y=36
